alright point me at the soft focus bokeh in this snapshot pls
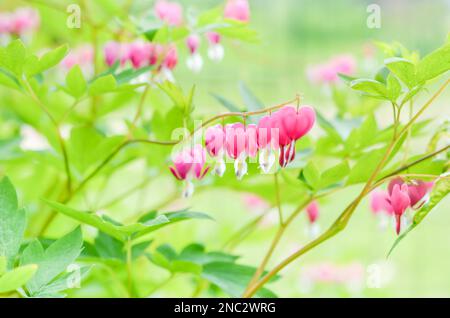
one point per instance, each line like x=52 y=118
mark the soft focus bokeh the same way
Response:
x=294 y=34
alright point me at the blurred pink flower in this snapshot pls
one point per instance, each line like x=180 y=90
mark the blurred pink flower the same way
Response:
x=240 y=143
x=194 y=61
x=215 y=50
x=327 y=73
x=313 y=211
x=379 y=202
x=24 y=20
x=255 y=203
x=82 y=56
x=237 y=10
x=171 y=57
x=169 y=12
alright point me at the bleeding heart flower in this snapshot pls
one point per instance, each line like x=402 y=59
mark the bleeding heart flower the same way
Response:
x=292 y=124
x=169 y=12
x=312 y=211
x=267 y=142
x=215 y=144
x=417 y=190
x=24 y=20
x=237 y=10
x=215 y=50
x=379 y=202
x=399 y=201
x=327 y=73
x=241 y=142
x=190 y=164
x=139 y=53
x=194 y=62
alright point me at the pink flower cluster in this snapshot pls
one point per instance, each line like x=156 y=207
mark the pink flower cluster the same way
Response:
x=20 y=22
x=277 y=132
x=140 y=54
x=327 y=73
x=215 y=51
x=399 y=197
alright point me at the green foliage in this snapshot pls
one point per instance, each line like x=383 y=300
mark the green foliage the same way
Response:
x=150 y=223
x=52 y=261
x=218 y=268
x=16 y=278
x=75 y=83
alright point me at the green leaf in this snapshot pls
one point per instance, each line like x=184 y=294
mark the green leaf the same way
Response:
x=127 y=75
x=434 y=64
x=440 y=190
x=123 y=232
x=16 y=278
x=394 y=88
x=365 y=166
x=370 y=87
x=334 y=174
x=250 y=100
x=53 y=261
x=75 y=83
x=404 y=69
x=311 y=175
x=103 y=85
x=225 y=102
x=232 y=278
x=34 y=65
x=13 y=56
x=12 y=220
x=9 y=80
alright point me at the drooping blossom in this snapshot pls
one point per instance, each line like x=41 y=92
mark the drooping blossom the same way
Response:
x=327 y=73
x=292 y=124
x=139 y=53
x=380 y=207
x=255 y=204
x=24 y=21
x=399 y=201
x=215 y=50
x=169 y=12
x=237 y=10
x=194 y=61
x=267 y=135
x=312 y=211
x=215 y=145
x=82 y=56
x=241 y=143
x=115 y=51
x=189 y=164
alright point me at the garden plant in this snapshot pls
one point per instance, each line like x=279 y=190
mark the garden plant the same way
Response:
x=105 y=152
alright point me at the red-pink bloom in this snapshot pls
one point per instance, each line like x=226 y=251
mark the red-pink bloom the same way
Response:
x=139 y=53
x=312 y=211
x=213 y=37
x=399 y=201
x=115 y=51
x=171 y=57
x=237 y=10
x=215 y=50
x=169 y=12
x=417 y=189
x=193 y=42
x=215 y=140
x=379 y=202
x=190 y=164
x=292 y=124
x=24 y=20
x=241 y=142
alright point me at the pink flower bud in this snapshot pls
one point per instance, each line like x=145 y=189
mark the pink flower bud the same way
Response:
x=24 y=20
x=237 y=10
x=169 y=12
x=213 y=37
x=399 y=201
x=139 y=53
x=171 y=58
x=379 y=202
x=313 y=211
x=215 y=140
x=193 y=42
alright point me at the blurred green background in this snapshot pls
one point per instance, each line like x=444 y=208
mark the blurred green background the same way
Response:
x=295 y=34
